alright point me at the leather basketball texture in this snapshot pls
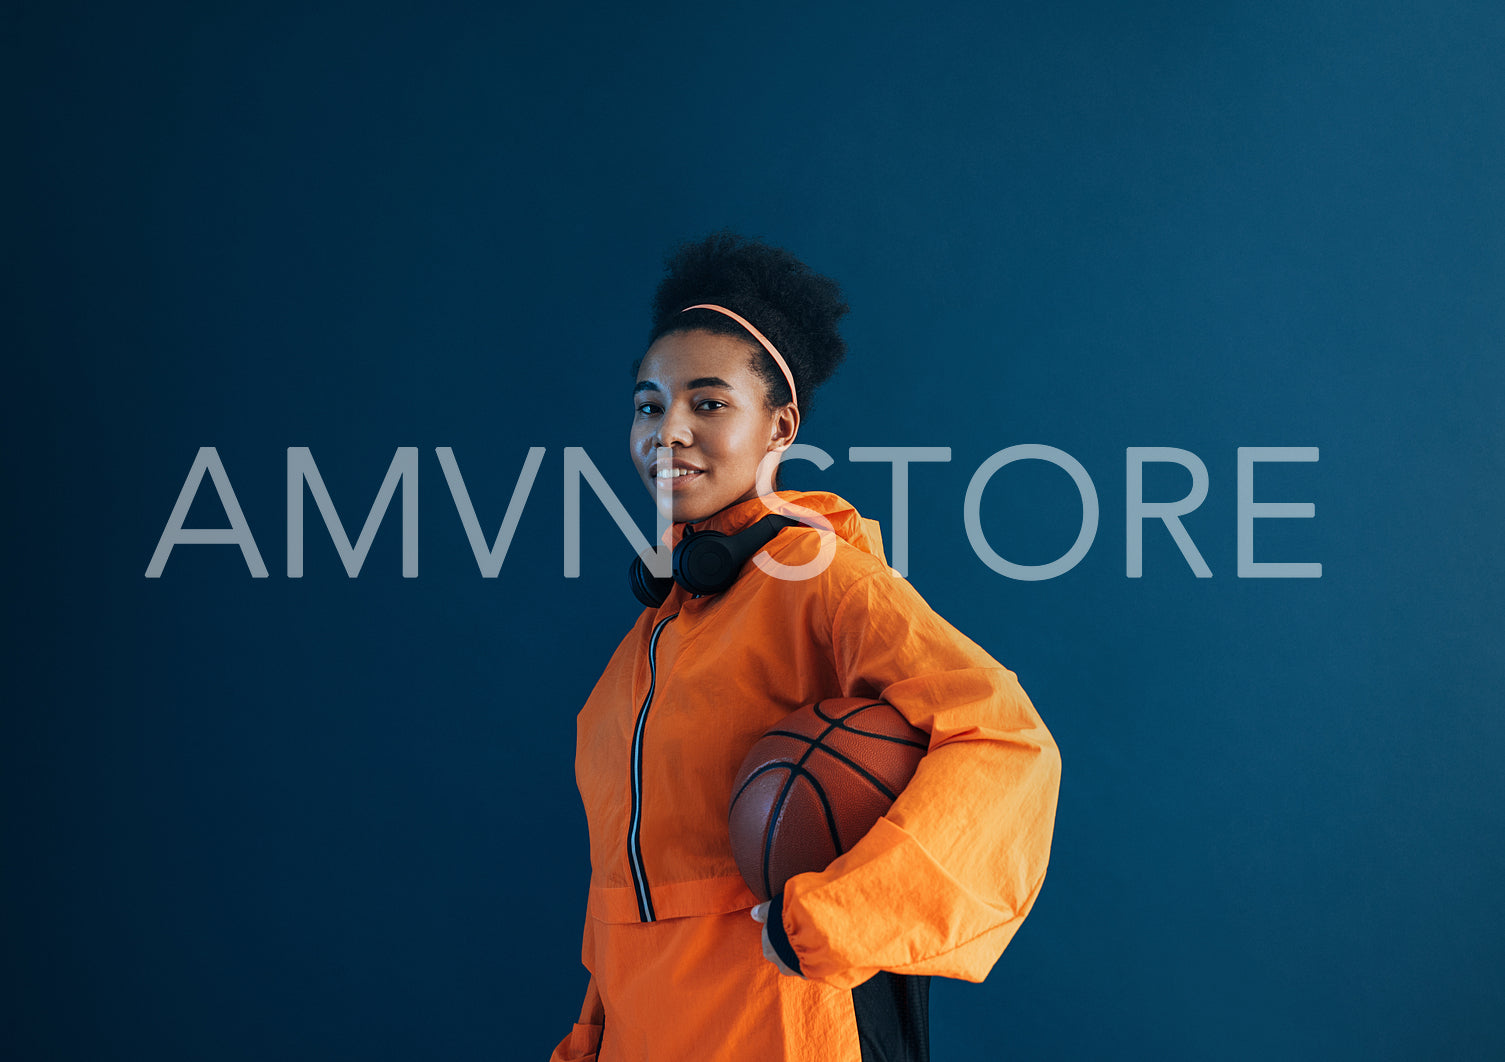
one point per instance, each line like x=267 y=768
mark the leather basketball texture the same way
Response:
x=815 y=783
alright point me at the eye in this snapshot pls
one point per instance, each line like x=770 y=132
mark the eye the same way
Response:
x=647 y=409
x=712 y=402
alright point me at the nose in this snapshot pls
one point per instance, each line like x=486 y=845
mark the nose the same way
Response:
x=673 y=427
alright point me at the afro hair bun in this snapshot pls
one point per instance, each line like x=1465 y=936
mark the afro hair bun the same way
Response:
x=791 y=304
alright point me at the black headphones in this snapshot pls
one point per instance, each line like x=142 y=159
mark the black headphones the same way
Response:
x=706 y=562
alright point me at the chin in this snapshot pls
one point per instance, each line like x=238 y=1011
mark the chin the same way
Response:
x=682 y=511
x=690 y=513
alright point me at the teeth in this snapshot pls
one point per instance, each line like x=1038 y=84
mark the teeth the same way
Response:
x=674 y=473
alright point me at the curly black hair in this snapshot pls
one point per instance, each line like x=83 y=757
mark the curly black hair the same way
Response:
x=795 y=307
x=792 y=305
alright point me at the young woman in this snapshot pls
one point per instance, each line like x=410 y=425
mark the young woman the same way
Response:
x=684 y=961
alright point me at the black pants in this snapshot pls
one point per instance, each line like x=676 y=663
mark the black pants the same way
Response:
x=893 y=1017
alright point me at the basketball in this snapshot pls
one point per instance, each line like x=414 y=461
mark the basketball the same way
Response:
x=815 y=783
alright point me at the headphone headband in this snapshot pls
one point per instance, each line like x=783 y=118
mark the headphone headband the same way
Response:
x=706 y=562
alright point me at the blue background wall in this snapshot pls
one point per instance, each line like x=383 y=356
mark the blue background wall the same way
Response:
x=336 y=818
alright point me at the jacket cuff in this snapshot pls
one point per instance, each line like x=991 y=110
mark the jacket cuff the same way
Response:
x=581 y=1045
x=778 y=936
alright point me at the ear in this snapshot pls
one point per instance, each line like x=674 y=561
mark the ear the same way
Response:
x=786 y=425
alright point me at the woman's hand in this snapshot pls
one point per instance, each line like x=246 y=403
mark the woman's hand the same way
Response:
x=760 y=914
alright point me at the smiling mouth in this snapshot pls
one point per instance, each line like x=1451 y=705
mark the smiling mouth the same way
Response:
x=678 y=474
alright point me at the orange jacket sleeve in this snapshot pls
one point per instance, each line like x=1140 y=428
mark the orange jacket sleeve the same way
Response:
x=584 y=1039
x=942 y=882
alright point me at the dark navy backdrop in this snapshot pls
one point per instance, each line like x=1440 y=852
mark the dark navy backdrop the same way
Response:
x=335 y=818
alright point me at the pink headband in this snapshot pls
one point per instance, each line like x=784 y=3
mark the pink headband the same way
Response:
x=778 y=359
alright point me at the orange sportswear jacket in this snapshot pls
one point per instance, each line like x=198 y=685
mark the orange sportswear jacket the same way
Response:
x=938 y=887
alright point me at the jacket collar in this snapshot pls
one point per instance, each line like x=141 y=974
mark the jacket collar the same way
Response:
x=854 y=528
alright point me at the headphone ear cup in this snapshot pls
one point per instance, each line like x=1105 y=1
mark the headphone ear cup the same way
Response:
x=647 y=587
x=707 y=562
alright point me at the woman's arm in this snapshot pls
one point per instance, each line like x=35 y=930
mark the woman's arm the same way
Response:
x=942 y=882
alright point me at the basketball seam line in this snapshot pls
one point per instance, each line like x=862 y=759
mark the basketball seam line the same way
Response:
x=795 y=771
x=773 y=818
x=814 y=743
x=841 y=724
x=859 y=733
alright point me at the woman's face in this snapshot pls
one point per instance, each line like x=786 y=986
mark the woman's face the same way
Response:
x=697 y=395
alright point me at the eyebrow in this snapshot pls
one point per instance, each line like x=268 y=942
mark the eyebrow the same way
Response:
x=699 y=381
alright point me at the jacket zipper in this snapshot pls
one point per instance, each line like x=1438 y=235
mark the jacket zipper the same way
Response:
x=634 y=835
